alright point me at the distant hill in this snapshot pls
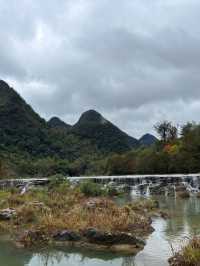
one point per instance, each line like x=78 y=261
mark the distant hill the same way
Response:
x=20 y=126
x=14 y=109
x=147 y=140
x=31 y=146
x=108 y=138
x=57 y=123
x=23 y=130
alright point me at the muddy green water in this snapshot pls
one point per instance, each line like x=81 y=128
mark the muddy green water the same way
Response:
x=185 y=222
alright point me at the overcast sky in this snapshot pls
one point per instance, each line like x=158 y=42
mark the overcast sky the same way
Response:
x=135 y=61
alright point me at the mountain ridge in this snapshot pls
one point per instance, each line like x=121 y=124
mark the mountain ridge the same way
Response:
x=56 y=123
x=22 y=128
x=148 y=139
x=93 y=125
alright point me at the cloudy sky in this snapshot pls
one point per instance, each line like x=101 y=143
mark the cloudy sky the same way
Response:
x=135 y=61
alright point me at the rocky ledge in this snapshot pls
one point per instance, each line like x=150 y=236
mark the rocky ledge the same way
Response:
x=91 y=239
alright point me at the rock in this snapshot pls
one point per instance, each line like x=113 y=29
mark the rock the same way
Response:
x=164 y=215
x=32 y=237
x=67 y=235
x=181 y=188
x=171 y=190
x=183 y=194
x=112 y=184
x=157 y=189
x=99 y=203
x=7 y=214
x=114 y=189
x=161 y=214
x=95 y=236
x=91 y=204
x=38 y=205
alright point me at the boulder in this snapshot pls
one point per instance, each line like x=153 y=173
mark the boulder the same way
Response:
x=32 y=237
x=90 y=204
x=105 y=238
x=181 y=188
x=67 y=235
x=171 y=190
x=95 y=203
x=157 y=189
x=7 y=214
x=183 y=194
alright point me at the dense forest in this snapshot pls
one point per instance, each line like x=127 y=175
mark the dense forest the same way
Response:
x=30 y=146
x=177 y=151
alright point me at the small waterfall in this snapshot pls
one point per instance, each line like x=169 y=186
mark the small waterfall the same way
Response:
x=148 y=191
x=174 y=191
x=166 y=192
x=192 y=184
x=195 y=183
x=134 y=192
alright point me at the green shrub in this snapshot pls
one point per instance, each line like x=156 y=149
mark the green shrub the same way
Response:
x=112 y=191
x=89 y=188
x=59 y=184
x=57 y=180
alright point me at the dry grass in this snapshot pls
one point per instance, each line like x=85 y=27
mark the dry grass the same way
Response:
x=144 y=205
x=67 y=209
x=108 y=217
x=189 y=255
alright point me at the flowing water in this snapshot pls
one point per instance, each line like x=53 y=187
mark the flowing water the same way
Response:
x=185 y=220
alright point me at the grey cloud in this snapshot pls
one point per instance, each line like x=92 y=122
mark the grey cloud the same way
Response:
x=135 y=61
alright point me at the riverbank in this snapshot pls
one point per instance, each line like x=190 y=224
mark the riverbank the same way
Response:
x=64 y=215
x=189 y=255
x=183 y=224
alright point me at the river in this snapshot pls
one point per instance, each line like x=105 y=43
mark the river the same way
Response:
x=184 y=222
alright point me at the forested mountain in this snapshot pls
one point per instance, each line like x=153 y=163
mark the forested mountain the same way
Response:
x=20 y=127
x=147 y=140
x=31 y=146
x=104 y=134
x=57 y=123
x=23 y=131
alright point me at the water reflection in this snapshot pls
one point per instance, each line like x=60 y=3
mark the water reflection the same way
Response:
x=10 y=256
x=184 y=222
x=186 y=214
x=60 y=258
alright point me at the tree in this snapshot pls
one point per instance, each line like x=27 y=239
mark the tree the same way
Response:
x=173 y=133
x=187 y=128
x=166 y=130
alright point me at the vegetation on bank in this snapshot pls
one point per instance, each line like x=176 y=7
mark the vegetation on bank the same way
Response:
x=40 y=214
x=189 y=254
x=174 y=153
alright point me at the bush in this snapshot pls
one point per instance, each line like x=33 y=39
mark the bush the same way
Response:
x=112 y=191
x=89 y=188
x=57 y=180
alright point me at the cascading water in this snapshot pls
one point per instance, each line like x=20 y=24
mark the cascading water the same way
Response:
x=169 y=187
x=192 y=183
